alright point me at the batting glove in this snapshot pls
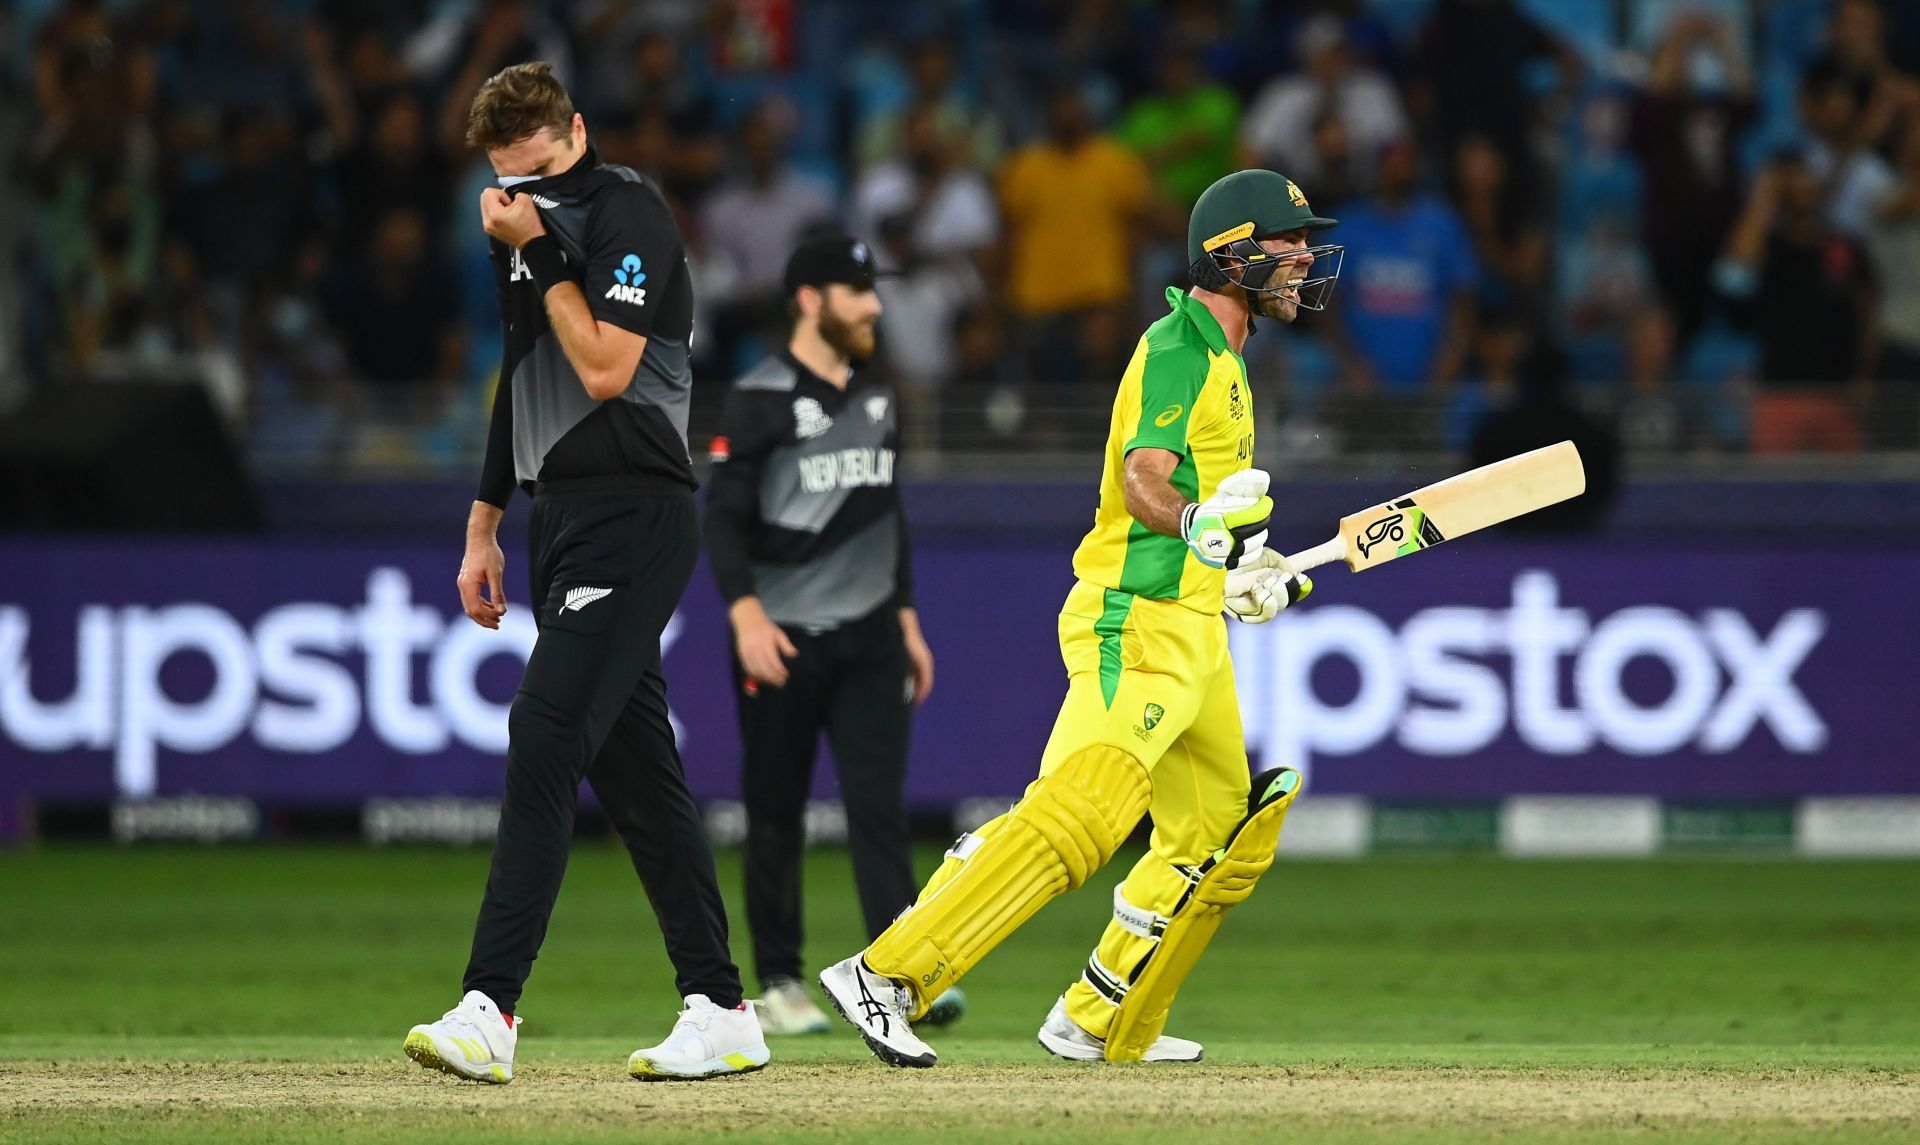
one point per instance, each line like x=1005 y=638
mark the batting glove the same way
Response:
x=1230 y=527
x=1262 y=588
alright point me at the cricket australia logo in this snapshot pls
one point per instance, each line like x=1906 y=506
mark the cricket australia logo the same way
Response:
x=1150 y=719
x=877 y=408
x=626 y=283
x=809 y=420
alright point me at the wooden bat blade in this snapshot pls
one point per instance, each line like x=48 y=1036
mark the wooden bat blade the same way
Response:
x=1462 y=504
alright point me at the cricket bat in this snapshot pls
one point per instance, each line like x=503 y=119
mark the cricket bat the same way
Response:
x=1462 y=504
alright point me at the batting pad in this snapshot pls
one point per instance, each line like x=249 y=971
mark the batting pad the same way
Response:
x=1068 y=824
x=1175 y=941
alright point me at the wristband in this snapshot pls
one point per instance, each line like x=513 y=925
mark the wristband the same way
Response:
x=545 y=261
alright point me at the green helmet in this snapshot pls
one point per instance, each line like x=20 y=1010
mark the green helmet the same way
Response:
x=1240 y=209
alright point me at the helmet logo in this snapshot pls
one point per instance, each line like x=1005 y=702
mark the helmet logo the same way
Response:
x=1244 y=230
x=1294 y=193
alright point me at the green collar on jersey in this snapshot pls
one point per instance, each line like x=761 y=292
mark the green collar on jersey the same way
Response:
x=1197 y=313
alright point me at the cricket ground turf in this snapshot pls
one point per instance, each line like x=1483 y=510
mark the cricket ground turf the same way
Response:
x=261 y=994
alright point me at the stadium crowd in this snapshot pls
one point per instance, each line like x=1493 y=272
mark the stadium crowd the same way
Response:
x=1697 y=221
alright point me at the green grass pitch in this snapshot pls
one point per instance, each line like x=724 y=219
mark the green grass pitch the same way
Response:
x=261 y=993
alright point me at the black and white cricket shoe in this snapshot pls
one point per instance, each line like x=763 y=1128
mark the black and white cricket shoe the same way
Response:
x=879 y=1008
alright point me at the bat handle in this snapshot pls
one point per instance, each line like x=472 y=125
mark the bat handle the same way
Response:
x=1324 y=554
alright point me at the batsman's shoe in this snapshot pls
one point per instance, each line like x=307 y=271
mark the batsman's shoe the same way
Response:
x=707 y=1041
x=947 y=1009
x=786 y=1009
x=1063 y=1038
x=471 y=1040
x=879 y=1008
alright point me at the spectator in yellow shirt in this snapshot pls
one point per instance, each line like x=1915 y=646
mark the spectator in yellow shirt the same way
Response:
x=1072 y=203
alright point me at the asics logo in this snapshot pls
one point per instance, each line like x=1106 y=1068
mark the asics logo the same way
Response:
x=579 y=598
x=871 y=1008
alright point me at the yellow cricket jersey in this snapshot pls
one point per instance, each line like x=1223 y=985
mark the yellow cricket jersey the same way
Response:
x=1187 y=392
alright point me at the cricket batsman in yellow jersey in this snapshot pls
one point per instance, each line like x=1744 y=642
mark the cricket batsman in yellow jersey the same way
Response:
x=1151 y=720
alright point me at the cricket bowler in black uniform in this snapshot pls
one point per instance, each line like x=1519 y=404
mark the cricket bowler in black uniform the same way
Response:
x=807 y=539
x=591 y=419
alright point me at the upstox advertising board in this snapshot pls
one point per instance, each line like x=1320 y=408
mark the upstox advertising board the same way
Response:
x=328 y=675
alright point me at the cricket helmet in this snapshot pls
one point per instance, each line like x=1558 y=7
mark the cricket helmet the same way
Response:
x=1230 y=218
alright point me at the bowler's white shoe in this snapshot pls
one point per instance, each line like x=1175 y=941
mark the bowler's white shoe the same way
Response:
x=707 y=1041
x=1064 y=1038
x=878 y=1007
x=786 y=1009
x=471 y=1040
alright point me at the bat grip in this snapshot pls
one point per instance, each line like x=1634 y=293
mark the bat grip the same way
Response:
x=1323 y=554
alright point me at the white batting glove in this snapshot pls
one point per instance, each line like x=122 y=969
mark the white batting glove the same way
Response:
x=1261 y=589
x=1228 y=529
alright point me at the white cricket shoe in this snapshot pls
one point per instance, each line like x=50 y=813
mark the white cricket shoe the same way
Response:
x=878 y=1007
x=1064 y=1038
x=471 y=1040
x=707 y=1041
x=786 y=1009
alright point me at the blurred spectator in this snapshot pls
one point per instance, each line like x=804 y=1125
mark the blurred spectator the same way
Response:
x=754 y=220
x=1472 y=72
x=94 y=83
x=1855 y=178
x=397 y=319
x=1278 y=129
x=1652 y=418
x=1541 y=414
x=949 y=206
x=1809 y=295
x=934 y=85
x=1072 y=201
x=465 y=44
x=1340 y=179
x=1857 y=49
x=923 y=300
x=1894 y=242
x=646 y=87
x=1603 y=282
x=1687 y=138
x=1508 y=240
x=1405 y=318
x=1184 y=129
x=396 y=165
x=232 y=57
x=243 y=224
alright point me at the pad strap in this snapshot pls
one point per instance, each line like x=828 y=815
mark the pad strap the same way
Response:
x=1144 y=923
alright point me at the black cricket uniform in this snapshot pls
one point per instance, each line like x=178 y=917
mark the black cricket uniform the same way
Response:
x=803 y=512
x=614 y=538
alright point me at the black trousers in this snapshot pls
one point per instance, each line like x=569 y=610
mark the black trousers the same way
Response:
x=852 y=682
x=607 y=574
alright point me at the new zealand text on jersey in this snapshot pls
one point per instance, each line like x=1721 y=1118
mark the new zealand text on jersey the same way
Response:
x=846 y=469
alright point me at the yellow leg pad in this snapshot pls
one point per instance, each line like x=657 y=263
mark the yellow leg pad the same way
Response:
x=1219 y=883
x=1067 y=825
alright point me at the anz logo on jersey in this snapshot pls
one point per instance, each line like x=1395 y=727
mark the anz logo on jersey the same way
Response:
x=846 y=469
x=626 y=282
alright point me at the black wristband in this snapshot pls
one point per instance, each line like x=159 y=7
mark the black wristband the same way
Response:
x=544 y=260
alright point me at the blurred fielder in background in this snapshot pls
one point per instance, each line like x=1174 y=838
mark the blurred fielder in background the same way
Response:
x=809 y=545
x=1151 y=719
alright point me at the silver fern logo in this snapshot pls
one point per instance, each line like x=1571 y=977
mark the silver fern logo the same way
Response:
x=579 y=598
